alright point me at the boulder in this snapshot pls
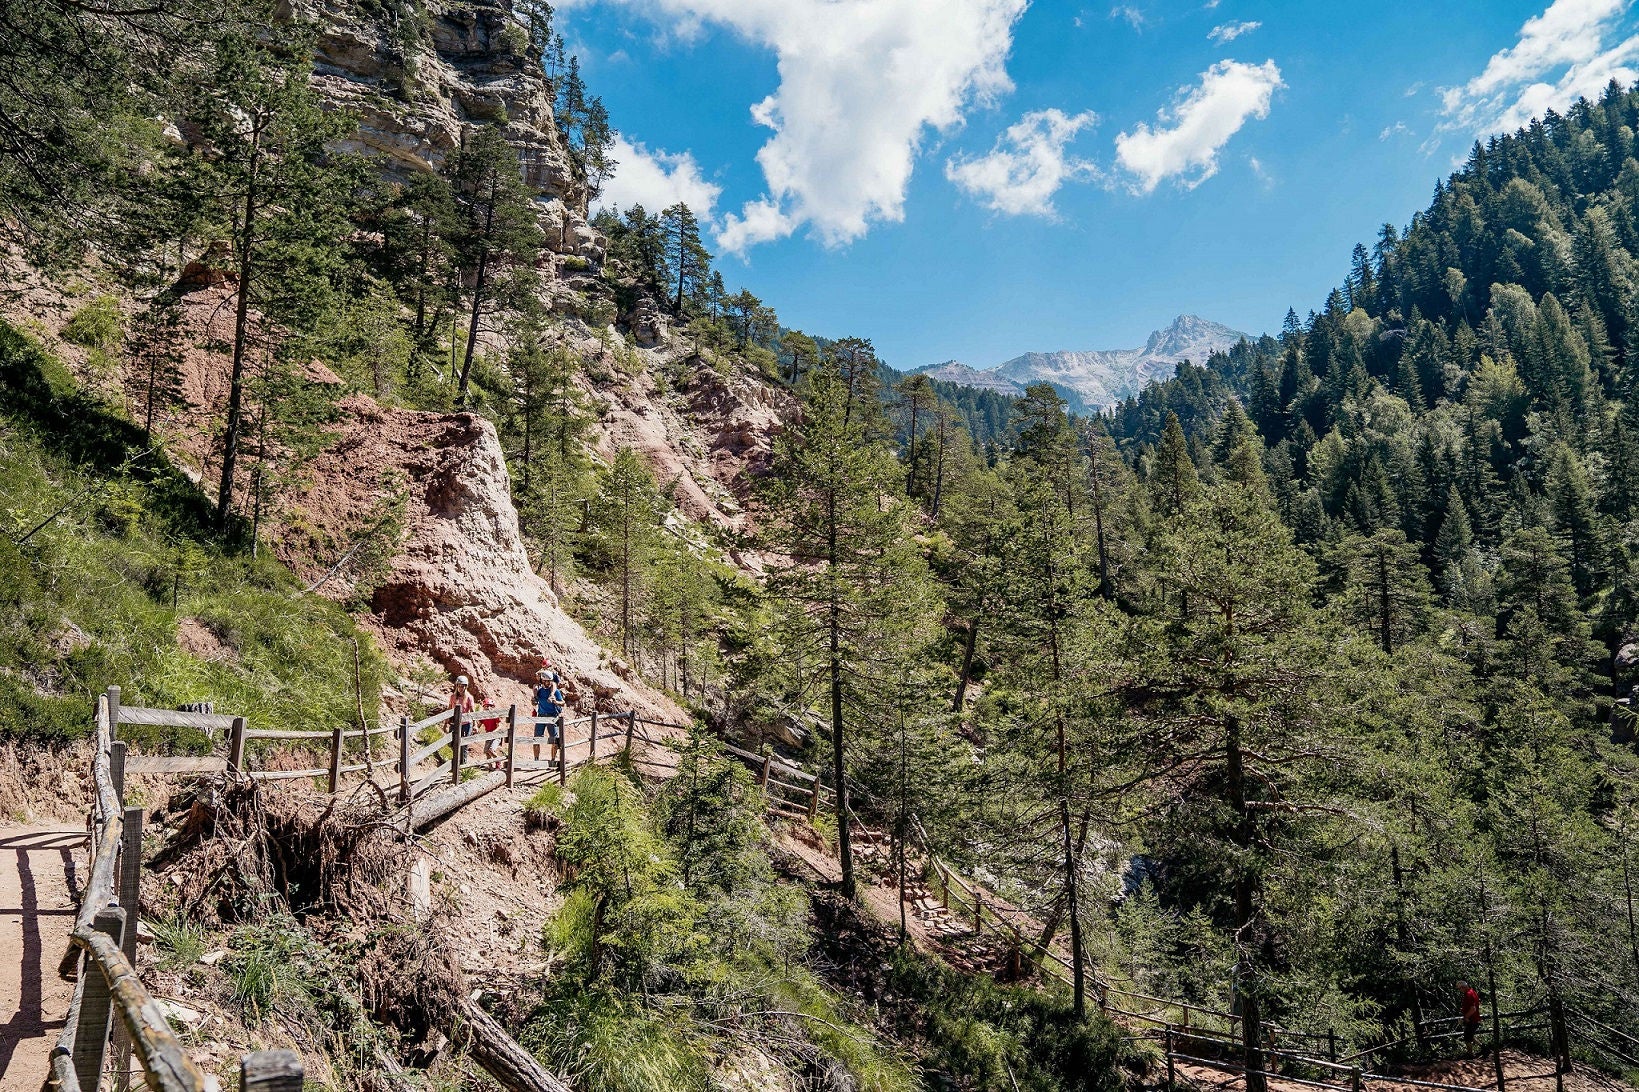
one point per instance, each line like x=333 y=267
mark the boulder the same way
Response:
x=645 y=322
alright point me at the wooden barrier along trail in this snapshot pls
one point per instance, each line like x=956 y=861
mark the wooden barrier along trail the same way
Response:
x=111 y=1017
x=111 y=1021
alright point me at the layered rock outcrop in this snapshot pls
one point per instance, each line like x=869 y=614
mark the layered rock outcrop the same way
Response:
x=419 y=77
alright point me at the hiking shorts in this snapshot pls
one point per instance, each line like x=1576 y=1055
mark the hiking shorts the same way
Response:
x=549 y=729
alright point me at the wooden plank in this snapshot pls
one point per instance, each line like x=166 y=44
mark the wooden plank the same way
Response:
x=130 y=871
x=490 y=736
x=403 y=760
x=511 y=745
x=283 y=733
x=170 y=718
x=163 y=1060
x=284 y=775
x=427 y=752
x=434 y=719
x=431 y=779
x=165 y=764
x=335 y=760
x=271 y=1071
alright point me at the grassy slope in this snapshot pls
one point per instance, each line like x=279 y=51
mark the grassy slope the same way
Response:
x=87 y=601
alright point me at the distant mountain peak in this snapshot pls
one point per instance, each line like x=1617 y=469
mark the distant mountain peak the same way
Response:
x=1100 y=377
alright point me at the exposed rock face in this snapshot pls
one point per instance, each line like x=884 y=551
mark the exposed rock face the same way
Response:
x=417 y=87
x=645 y=322
x=706 y=441
x=461 y=589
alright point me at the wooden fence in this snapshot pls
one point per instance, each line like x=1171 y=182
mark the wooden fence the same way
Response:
x=111 y=1016
x=1197 y=1035
x=792 y=793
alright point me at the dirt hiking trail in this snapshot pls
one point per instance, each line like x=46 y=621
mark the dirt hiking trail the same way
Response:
x=39 y=870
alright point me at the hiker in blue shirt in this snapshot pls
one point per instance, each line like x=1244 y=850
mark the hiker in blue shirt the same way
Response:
x=548 y=703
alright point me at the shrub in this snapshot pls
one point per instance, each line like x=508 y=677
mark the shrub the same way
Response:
x=97 y=325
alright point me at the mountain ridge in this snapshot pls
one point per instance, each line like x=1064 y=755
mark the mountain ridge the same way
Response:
x=1097 y=378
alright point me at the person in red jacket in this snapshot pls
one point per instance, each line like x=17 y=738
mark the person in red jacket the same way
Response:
x=1470 y=1000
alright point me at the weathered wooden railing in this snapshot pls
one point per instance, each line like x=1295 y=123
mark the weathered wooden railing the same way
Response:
x=1197 y=1035
x=792 y=793
x=109 y=1000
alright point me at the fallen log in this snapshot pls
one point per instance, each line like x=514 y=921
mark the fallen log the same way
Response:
x=429 y=810
x=502 y=1056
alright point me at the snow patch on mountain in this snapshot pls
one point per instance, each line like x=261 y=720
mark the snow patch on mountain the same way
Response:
x=1099 y=378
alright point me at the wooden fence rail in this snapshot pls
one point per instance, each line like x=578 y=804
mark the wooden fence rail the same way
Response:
x=110 y=1006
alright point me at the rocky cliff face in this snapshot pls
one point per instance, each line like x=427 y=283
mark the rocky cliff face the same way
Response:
x=418 y=76
x=459 y=589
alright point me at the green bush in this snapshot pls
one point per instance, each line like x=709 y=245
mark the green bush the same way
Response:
x=97 y=325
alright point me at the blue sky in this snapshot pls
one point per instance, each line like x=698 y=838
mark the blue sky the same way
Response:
x=973 y=179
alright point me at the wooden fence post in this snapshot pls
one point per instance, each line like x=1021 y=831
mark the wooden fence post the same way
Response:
x=113 y=712
x=762 y=778
x=271 y=1071
x=563 y=750
x=236 y=746
x=404 y=760
x=1171 y=1077
x=116 y=768
x=1354 y=1079
x=631 y=726
x=91 y=1033
x=335 y=759
x=1331 y=1043
x=592 y=744
x=457 y=746
x=813 y=801
x=130 y=900
x=511 y=743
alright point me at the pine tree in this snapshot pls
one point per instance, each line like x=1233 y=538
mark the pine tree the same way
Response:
x=1387 y=589
x=688 y=259
x=497 y=234
x=625 y=522
x=1453 y=545
x=154 y=351
x=844 y=547
x=1172 y=482
x=915 y=408
x=288 y=197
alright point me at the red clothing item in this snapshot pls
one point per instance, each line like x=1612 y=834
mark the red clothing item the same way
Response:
x=1471 y=1006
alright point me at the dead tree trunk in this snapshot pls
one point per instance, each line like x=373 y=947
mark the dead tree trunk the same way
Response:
x=502 y=1057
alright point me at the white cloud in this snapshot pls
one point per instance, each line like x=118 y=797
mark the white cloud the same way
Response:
x=1562 y=54
x=861 y=84
x=1228 y=32
x=1187 y=137
x=1393 y=130
x=1131 y=15
x=656 y=180
x=1028 y=164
